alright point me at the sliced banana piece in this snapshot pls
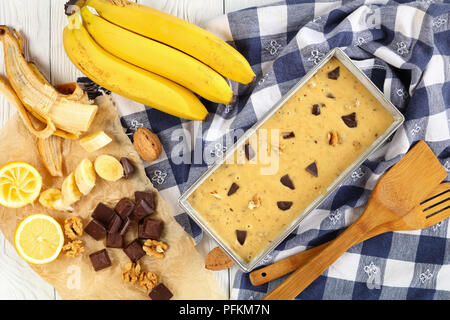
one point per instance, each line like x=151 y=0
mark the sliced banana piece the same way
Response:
x=108 y=168
x=53 y=199
x=85 y=176
x=69 y=189
x=95 y=141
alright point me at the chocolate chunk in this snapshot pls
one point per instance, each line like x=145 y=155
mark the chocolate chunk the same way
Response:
x=331 y=96
x=114 y=240
x=114 y=224
x=315 y=110
x=286 y=181
x=241 y=235
x=288 y=135
x=124 y=227
x=150 y=229
x=312 y=168
x=147 y=196
x=128 y=168
x=284 y=205
x=350 y=120
x=103 y=214
x=100 y=260
x=134 y=251
x=95 y=229
x=334 y=74
x=124 y=208
x=160 y=292
x=249 y=153
x=141 y=210
x=234 y=187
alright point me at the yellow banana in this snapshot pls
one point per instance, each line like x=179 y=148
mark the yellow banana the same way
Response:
x=177 y=33
x=126 y=79
x=158 y=58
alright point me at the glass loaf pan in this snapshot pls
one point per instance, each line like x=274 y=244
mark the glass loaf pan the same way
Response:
x=397 y=121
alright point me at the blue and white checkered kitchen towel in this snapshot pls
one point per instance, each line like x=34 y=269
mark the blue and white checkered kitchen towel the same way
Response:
x=404 y=47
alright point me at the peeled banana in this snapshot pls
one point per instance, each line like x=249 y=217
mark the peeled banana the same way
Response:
x=50 y=150
x=70 y=191
x=95 y=141
x=108 y=168
x=53 y=199
x=85 y=176
x=177 y=33
x=158 y=58
x=126 y=79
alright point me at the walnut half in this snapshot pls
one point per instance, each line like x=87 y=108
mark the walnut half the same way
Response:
x=155 y=248
x=73 y=227
x=73 y=248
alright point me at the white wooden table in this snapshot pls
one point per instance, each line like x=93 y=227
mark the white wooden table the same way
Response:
x=42 y=22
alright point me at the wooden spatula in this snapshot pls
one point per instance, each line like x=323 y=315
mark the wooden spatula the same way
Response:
x=432 y=210
x=396 y=194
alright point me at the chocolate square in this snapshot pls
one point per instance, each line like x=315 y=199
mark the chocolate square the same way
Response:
x=141 y=210
x=114 y=224
x=100 y=260
x=147 y=196
x=114 y=240
x=134 y=250
x=95 y=229
x=160 y=292
x=103 y=214
x=124 y=208
x=124 y=227
x=128 y=168
x=150 y=229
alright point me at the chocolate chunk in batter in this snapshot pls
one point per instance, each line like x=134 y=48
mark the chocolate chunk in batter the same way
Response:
x=287 y=182
x=331 y=96
x=288 y=135
x=284 y=205
x=315 y=110
x=312 y=168
x=350 y=120
x=241 y=235
x=233 y=189
x=334 y=74
x=249 y=153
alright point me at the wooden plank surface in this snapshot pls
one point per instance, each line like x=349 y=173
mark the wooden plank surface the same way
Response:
x=42 y=23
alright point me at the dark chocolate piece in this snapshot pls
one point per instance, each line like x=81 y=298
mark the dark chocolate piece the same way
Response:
x=160 y=292
x=134 y=250
x=141 y=210
x=249 y=152
x=147 y=196
x=100 y=260
x=241 y=235
x=150 y=229
x=312 y=168
x=334 y=74
x=284 y=205
x=124 y=208
x=128 y=168
x=315 y=110
x=95 y=229
x=103 y=214
x=114 y=240
x=288 y=135
x=124 y=227
x=350 y=120
x=287 y=182
x=330 y=95
x=234 y=187
x=114 y=224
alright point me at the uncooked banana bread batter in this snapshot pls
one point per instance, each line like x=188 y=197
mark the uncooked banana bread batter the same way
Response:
x=321 y=130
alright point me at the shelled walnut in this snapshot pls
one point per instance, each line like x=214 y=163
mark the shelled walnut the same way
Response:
x=73 y=248
x=73 y=227
x=155 y=248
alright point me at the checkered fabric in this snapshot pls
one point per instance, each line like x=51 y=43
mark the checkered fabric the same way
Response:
x=404 y=48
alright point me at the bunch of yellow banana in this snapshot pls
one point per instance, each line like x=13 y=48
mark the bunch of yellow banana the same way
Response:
x=152 y=57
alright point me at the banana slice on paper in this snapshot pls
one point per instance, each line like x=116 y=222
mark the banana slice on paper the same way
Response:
x=108 y=168
x=53 y=199
x=85 y=176
x=95 y=141
x=70 y=191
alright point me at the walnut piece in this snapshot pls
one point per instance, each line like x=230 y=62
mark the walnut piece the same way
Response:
x=73 y=227
x=255 y=202
x=155 y=248
x=148 y=280
x=215 y=194
x=73 y=248
x=356 y=144
x=334 y=138
x=131 y=272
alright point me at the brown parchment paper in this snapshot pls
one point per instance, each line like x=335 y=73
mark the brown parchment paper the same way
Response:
x=182 y=270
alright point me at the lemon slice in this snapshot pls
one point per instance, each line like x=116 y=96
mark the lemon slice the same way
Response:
x=20 y=184
x=39 y=239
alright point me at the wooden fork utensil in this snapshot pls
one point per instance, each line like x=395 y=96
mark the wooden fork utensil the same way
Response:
x=396 y=194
